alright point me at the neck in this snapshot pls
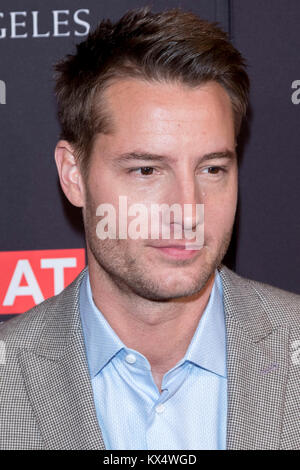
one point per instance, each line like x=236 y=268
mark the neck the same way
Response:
x=161 y=331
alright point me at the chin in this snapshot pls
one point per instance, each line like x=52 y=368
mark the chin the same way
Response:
x=173 y=294
x=175 y=289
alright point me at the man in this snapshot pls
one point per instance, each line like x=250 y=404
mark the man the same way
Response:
x=157 y=344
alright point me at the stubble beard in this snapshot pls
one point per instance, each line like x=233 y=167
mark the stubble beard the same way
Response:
x=126 y=271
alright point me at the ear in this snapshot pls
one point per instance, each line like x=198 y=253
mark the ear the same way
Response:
x=69 y=173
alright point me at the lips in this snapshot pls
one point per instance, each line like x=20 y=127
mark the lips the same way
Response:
x=177 y=246
x=177 y=251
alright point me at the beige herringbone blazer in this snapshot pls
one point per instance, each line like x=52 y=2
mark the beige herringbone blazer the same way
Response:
x=46 y=397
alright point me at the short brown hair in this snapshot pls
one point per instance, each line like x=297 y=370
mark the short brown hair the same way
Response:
x=169 y=46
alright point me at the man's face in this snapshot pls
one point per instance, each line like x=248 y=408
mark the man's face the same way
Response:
x=181 y=125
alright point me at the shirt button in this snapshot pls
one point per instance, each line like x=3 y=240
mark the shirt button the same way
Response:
x=130 y=358
x=160 y=409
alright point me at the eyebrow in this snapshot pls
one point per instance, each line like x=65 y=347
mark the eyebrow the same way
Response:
x=145 y=156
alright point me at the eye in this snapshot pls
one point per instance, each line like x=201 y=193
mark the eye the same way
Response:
x=145 y=170
x=215 y=170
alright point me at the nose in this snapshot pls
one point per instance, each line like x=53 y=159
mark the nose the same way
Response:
x=187 y=196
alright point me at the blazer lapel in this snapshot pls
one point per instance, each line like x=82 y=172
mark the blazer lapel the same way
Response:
x=257 y=367
x=57 y=378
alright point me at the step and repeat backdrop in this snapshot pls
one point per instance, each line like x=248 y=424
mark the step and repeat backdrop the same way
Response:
x=41 y=239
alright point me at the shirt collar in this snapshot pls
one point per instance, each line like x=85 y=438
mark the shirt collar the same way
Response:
x=207 y=348
x=101 y=342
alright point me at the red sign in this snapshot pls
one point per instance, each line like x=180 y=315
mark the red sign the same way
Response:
x=29 y=277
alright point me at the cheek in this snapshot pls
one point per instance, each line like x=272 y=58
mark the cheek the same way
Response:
x=102 y=188
x=219 y=211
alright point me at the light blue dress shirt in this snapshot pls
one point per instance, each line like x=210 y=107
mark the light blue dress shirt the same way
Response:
x=191 y=411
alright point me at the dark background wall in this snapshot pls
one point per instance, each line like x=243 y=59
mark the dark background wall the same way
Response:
x=267 y=34
x=35 y=215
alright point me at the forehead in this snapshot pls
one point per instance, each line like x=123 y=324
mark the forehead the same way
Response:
x=166 y=97
x=142 y=111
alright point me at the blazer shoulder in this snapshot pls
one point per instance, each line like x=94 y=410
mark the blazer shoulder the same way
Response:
x=282 y=306
x=25 y=329
x=238 y=279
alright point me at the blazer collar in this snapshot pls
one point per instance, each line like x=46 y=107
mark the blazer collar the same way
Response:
x=240 y=297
